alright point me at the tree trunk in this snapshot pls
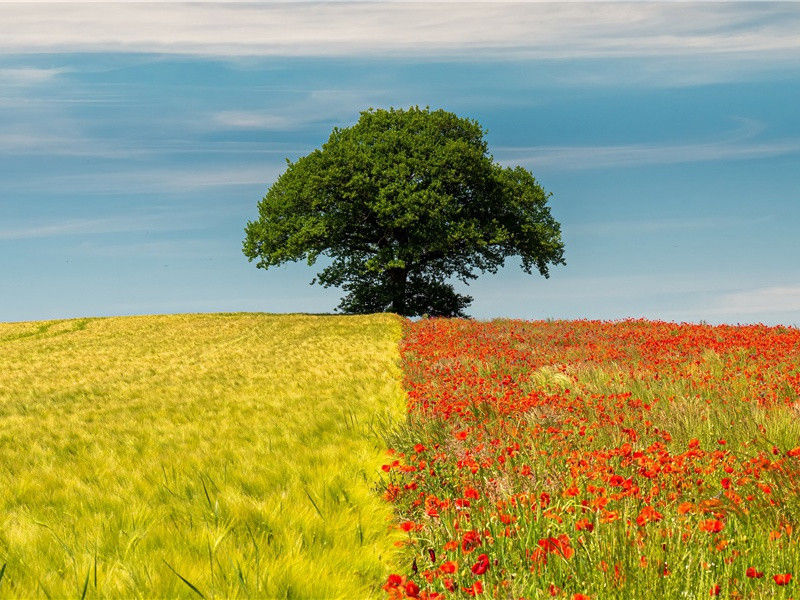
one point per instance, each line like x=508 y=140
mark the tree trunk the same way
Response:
x=397 y=282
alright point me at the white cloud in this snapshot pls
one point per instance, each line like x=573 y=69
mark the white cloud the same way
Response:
x=738 y=145
x=27 y=75
x=157 y=180
x=152 y=180
x=605 y=228
x=544 y=30
x=779 y=299
x=92 y=226
x=238 y=119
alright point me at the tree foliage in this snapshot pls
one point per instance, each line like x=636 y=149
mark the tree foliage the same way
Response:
x=400 y=204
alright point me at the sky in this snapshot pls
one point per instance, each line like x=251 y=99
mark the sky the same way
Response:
x=137 y=139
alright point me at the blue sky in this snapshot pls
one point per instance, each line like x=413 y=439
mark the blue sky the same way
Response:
x=134 y=148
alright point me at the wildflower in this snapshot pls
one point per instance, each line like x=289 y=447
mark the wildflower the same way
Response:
x=470 y=541
x=393 y=581
x=648 y=515
x=559 y=545
x=782 y=579
x=711 y=525
x=584 y=525
x=480 y=567
x=753 y=573
x=475 y=589
x=448 y=567
x=715 y=590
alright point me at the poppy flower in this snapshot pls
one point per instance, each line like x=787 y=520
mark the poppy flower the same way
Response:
x=412 y=589
x=782 y=579
x=475 y=589
x=584 y=525
x=753 y=574
x=480 y=567
x=711 y=525
x=448 y=567
x=648 y=515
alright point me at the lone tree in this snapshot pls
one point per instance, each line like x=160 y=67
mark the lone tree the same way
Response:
x=400 y=203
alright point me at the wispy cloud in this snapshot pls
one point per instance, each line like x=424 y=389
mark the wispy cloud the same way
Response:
x=666 y=224
x=149 y=180
x=313 y=106
x=183 y=179
x=100 y=225
x=240 y=119
x=546 y=30
x=738 y=145
x=779 y=299
x=25 y=76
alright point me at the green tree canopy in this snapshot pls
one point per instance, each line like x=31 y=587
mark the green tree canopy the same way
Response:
x=401 y=203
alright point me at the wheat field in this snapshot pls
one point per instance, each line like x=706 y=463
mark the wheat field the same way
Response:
x=228 y=455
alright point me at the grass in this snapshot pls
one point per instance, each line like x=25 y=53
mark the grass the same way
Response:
x=196 y=456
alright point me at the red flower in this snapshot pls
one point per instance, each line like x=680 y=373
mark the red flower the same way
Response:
x=480 y=567
x=470 y=541
x=712 y=525
x=559 y=545
x=753 y=574
x=715 y=590
x=471 y=492
x=580 y=597
x=584 y=524
x=475 y=589
x=782 y=579
x=648 y=515
x=448 y=567
x=412 y=589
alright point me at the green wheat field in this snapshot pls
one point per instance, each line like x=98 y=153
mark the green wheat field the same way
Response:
x=230 y=455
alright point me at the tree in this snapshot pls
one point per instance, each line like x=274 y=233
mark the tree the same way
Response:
x=401 y=203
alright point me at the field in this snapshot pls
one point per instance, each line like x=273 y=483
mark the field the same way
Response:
x=266 y=456
x=598 y=460
x=178 y=456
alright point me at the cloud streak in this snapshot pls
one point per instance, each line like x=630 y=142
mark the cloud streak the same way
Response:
x=540 y=30
x=779 y=299
x=97 y=226
x=26 y=76
x=738 y=145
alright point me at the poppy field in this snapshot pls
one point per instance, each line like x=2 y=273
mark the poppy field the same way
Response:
x=597 y=460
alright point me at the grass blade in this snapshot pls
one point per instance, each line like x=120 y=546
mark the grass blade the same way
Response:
x=184 y=580
x=319 y=512
x=86 y=584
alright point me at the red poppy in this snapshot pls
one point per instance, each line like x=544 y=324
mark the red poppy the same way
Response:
x=753 y=574
x=782 y=579
x=480 y=567
x=475 y=589
x=712 y=525
x=412 y=589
